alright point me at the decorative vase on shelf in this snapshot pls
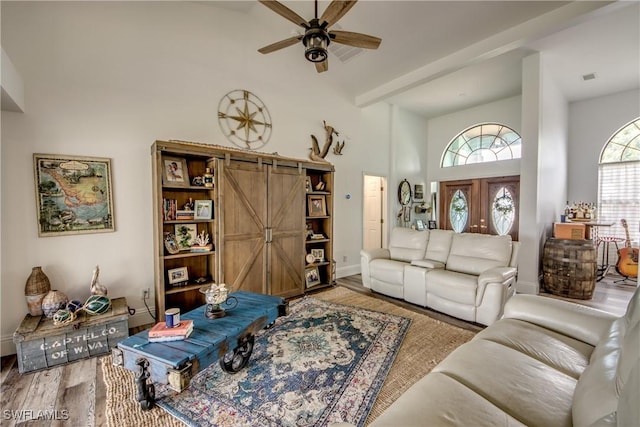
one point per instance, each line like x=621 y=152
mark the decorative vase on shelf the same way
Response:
x=35 y=290
x=54 y=301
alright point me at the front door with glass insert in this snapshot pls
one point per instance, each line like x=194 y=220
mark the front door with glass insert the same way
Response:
x=487 y=205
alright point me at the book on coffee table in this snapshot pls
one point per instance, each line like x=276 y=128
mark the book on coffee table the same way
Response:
x=160 y=330
x=170 y=337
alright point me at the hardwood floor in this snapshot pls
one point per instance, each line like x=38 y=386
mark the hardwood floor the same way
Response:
x=75 y=394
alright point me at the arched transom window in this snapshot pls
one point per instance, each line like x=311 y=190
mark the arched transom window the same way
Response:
x=624 y=145
x=488 y=142
x=619 y=184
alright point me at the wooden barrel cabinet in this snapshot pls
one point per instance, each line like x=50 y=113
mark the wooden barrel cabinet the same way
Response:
x=569 y=268
x=261 y=230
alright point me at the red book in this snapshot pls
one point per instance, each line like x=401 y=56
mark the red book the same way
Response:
x=182 y=330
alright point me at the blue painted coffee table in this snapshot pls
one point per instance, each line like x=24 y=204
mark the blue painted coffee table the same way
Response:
x=228 y=339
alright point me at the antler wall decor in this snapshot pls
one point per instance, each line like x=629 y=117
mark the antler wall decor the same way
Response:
x=319 y=155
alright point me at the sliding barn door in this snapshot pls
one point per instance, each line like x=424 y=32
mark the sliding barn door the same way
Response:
x=286 y=206
x=243 y=194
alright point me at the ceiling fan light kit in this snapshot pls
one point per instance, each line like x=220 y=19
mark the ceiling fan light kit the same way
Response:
x=316 y=41
x=317 y=37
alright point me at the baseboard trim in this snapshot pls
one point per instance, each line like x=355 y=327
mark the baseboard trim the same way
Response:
x=348 y=270
x=527 y=288
x=142 y=316
x=7 y=347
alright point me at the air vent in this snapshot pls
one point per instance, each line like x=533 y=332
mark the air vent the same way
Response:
x=590 y=76
x=343 y=52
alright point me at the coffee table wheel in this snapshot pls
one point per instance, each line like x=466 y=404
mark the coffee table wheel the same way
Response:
x=234 y=361
x=145 y=390
x=150 y=403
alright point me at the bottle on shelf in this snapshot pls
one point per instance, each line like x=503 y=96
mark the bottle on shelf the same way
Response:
x=208 y=178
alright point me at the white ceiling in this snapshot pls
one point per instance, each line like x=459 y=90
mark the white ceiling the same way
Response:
x=441 y=56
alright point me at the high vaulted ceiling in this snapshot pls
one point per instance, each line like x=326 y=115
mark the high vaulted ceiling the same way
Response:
x=441 y=56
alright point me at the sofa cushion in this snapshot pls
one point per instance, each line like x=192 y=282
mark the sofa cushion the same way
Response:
x=559 y=351
x=453 y=286
x=388 y=270
x=406 y=244
x=439 y=400
x=473 y=253
x=439 y=245
x=596 y=394
x=530 y=391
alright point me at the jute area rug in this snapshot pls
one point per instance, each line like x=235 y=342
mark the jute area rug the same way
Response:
x=426 y=343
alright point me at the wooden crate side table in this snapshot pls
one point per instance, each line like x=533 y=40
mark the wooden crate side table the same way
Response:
x=41 y=345
x=228 y=339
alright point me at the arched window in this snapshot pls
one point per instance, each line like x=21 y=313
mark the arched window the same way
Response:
x=487 y=142
x=619 y=182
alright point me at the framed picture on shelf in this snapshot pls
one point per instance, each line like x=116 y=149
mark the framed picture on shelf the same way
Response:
x=178 y=276
x=307 y=184
x=185 y=235
x=175 y=171
x=203 y=209
x=317 y=205
x=318 y=255
x=420 y=225
x=312 y=276
x=432 y=225
x=170 y=243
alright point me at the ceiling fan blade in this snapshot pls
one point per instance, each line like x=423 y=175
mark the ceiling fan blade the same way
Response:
x=335 y=11
x=280 y=45
x=285 y=12
x=323 y=66
x=355 y=39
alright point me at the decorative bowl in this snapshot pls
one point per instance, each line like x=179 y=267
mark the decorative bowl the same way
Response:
x=217 y=295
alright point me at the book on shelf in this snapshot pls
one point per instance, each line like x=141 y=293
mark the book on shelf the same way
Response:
x=170 y=207
x=160 y=330
x=184 y=215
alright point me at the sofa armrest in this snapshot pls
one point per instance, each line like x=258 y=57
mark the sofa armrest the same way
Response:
x=496 y=275
x=366 y=256
x=499 y=275
x=427 y=263
x=371 y=254
x=575 y=320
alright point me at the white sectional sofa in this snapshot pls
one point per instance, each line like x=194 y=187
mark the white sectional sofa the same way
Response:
x=466 y=275
x=547 y=362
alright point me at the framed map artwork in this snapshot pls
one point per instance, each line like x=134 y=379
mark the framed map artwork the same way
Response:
x=73 y=195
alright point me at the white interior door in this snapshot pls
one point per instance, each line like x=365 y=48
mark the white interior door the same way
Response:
x=373 y=215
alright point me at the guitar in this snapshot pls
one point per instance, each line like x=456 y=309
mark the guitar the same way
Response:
x=627 y=264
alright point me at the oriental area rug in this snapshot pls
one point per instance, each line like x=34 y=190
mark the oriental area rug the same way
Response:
x=331 y=359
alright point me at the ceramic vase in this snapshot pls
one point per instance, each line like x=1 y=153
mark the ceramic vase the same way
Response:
x=35 y=289
x=54 y=301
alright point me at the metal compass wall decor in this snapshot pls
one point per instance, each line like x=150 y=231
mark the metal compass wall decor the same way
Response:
x=244 y=119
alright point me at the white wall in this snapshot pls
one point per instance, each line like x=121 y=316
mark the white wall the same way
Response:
x=107 y=79
x=408 y=153
x=552 y=157
x=591 y=124
x=369 y=153
x=11 y=86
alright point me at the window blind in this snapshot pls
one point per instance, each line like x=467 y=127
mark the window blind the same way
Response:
x=619 y=198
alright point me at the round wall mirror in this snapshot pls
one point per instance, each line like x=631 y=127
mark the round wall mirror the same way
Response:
x=404 y=193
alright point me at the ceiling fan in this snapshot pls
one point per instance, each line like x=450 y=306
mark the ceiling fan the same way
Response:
x=317 y=35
